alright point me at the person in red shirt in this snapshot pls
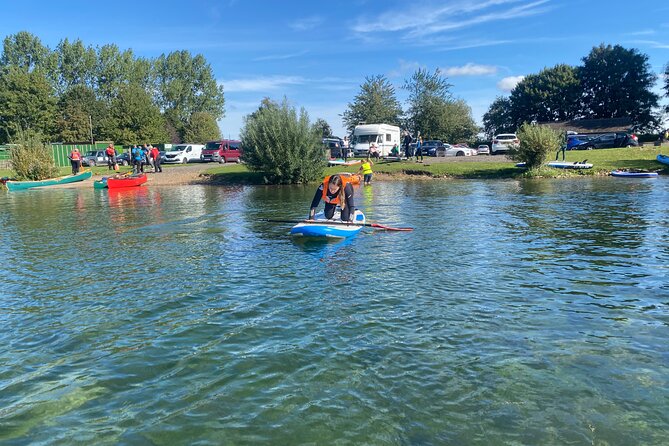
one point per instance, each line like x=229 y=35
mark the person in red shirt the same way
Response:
x=75 y=160
x=111 y=157
x=155 y=154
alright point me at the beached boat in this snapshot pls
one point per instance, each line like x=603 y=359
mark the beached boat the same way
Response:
x=664 y=159
x=633 y=173
x=334 y=228
x=21 y=185
x=352 y=178
x=120 y=181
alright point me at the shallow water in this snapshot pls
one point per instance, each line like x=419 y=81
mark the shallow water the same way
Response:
x=531 y=312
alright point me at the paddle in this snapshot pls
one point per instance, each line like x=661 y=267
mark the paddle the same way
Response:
x=344 y=223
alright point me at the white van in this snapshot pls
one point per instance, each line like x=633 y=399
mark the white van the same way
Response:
x=183 y=153
x=385 y=136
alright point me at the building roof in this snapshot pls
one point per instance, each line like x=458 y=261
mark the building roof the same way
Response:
x=592 y=125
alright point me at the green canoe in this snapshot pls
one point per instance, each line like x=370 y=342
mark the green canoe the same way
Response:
x=20 y=185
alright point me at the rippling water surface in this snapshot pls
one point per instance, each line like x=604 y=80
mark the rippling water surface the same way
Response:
x=531 y=312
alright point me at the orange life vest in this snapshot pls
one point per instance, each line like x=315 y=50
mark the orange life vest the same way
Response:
x=76 y=156
x=110 y=151
x=326 y=183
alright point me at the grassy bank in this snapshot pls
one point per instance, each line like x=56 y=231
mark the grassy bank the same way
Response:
x=604 y=160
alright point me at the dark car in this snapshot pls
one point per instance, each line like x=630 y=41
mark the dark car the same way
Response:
x=609 y=140
x=336 y=145
x=430 y=147
x=575 y=140
x=123 y=159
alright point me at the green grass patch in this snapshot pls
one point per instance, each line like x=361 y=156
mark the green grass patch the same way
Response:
x=604 y=160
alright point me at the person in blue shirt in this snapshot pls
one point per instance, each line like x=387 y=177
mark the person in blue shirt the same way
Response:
x=137 y=159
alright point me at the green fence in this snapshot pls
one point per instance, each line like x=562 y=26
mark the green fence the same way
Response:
x=61 y=151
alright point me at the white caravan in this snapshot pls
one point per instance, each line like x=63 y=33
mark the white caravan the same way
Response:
x=385 y=136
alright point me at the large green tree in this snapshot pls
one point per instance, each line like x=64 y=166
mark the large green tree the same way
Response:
x=25 y=51
x=202 y=127
x=186 y=85
x=322 y=125
x=498 y=118
x=457 y=123
x=375 y=104
x=429 y=104
x=27 y=102
x=282 y=144
x=133 y=118
x=76 y=65
x=79 y=115
x=551 y=95
x=618 y=82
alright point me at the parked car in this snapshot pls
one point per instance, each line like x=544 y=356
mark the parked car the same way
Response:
x=483 y=149
x=123 y=159
x=223 y=151
x=503 y=142
x=94 y=158
x=575 y=140
x=430 y=146
x=609 y=140
x=183 y=153
x=335 y=146
x=449 y=150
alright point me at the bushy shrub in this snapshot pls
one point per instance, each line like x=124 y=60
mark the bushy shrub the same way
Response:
x=536 y=143
x=31 y=159
x=285 y=147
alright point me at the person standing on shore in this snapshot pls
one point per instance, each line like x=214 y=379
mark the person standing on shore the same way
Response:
x=407 y=144
x=419 y=148
x=137 y=159
x=155 y=155
x=366 y=169
x=75 y=160
x=111 y=157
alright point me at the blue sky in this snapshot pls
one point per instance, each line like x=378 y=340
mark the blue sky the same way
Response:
x=317 y=53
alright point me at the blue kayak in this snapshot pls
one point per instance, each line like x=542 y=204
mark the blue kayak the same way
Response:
x=333 y=228
x=664 y=159
x=632 y=174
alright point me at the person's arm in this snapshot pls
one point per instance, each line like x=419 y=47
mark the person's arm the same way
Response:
x=315 y=201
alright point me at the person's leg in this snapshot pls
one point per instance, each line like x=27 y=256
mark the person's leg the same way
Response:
x=346 y=214
x=329 y=210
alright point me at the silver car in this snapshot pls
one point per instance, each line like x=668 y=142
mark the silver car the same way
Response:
x=483 y=149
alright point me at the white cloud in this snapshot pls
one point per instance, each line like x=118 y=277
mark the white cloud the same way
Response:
x=509 y=83
x=306 y=23
x=431 y=19
x=261 y=84
x=652 y=44
x=470 y=69
x=280 y=56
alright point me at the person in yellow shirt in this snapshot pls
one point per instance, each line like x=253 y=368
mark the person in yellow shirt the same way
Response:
x=366 y=168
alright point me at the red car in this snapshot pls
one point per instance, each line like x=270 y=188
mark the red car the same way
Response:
x=224 y=151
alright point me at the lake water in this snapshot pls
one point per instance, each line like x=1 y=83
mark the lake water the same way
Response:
x=532 y=312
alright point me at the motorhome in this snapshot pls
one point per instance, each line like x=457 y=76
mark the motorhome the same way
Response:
x=385 y=137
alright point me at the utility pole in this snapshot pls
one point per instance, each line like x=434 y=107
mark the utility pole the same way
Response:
x=90 y=126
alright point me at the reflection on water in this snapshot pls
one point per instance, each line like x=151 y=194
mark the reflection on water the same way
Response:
x=516 y=312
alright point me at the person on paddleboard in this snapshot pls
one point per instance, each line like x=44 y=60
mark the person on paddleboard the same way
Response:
x=334 y=191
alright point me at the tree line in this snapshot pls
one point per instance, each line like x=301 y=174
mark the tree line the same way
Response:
x=76 y=93
x=611 y=82
x=431 y=108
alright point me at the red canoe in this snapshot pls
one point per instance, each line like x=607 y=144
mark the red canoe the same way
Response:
x=130 y=181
